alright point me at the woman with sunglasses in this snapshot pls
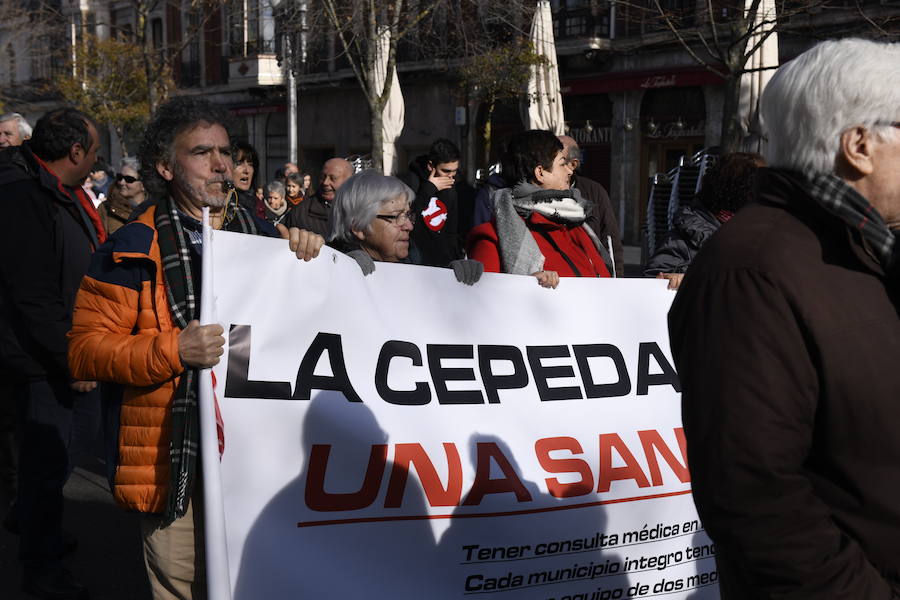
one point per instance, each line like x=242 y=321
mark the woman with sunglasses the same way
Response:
x=124 y=195
x=371 y=222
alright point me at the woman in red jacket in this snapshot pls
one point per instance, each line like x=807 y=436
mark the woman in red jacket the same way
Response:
x=538 y=226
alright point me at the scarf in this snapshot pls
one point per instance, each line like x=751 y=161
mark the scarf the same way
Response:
x=277 y=212
x=519 y=253
x=182 y=292
x=840 y=199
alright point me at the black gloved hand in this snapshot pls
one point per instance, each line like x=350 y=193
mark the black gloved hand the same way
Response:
x=364 y=261
x=467 y=271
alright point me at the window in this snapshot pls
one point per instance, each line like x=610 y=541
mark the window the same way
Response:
x=251 y=27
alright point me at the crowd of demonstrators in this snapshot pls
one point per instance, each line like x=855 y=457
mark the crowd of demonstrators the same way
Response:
x=135 y=324
x=538 y=226
x=785 y=335
x=246 y=168
x=55 y=231
x=727 y=187
x=126 y=195
x=760 y=317
x=14 y=130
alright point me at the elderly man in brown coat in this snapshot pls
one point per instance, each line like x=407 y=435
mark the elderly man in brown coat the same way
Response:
x=786 y=337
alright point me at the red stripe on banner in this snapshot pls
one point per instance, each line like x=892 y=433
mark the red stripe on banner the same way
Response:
x=511 y=513
x=220 y=424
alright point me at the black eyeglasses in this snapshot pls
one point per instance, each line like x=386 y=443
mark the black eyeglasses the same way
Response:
x=127 y=178
x=401 y=219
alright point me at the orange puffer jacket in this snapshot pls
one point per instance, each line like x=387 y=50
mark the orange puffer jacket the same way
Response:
x=122 y=331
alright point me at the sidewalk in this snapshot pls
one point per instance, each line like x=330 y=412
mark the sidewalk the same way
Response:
x=109 y=560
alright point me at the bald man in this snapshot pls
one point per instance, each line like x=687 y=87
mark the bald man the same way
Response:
x=602 y=218
x=314 y=213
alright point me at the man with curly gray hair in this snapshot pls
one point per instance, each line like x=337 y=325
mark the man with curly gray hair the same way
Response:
x=136 y=324
x=786 y=334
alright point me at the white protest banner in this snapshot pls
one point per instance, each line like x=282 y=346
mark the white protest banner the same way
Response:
x=405 y=436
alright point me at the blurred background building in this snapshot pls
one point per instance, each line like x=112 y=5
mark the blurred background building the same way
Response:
x=634 y=96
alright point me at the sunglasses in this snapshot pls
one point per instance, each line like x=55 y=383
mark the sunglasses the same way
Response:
x=126 y=178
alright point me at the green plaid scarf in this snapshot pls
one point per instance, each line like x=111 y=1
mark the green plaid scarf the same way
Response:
x=852 y=208
x=182 y=292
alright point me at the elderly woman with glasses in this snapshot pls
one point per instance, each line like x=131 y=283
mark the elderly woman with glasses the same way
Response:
x=371 y=221
x=124 y=196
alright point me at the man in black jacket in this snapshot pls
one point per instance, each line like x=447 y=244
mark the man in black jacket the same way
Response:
x=435 y=237
x=314 y=213
x=47 y=238
x=602 y=219
x=786 y=336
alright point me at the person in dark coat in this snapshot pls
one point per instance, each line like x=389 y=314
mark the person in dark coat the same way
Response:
x=785 y=334
x=726 y=187
x=314 y=213
x=602 y=218
x=48 y=238
x=433 y=178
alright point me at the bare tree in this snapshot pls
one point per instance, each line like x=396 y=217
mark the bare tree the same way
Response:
x=110 y=85
x=446 y=34
x=723 y=36
x=32 y=40
x=359 y=26
x=157 y=56
x=498 y=74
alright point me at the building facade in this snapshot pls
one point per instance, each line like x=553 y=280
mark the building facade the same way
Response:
x=634 y=98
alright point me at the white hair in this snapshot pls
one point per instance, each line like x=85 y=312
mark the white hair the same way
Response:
x=360 y=198
x=24 y=127
x=276 y=187
x=833 y=87
x=130 y=162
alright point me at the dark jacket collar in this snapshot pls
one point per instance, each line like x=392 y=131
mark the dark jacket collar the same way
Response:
x=790 y=190
x=17 y=163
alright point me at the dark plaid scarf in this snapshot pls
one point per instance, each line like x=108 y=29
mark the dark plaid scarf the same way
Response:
x=852 y=208
x=182 y=292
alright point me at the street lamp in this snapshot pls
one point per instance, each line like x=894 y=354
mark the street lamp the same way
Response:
x=291 y=27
